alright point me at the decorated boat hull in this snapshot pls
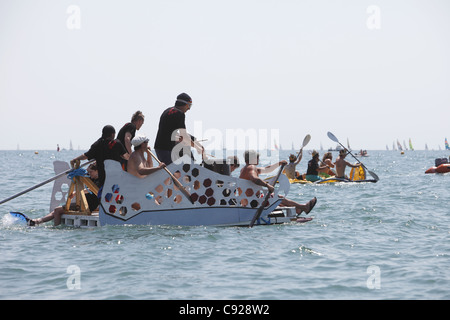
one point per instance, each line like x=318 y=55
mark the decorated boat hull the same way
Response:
x=214 y=199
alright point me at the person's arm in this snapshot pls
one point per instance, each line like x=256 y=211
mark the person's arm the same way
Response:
x=128 y=141
x=329 y=163
x=299 y=158
x=271 y=167
x=146 y=171
x=353 y=165
x=149 y=158
x=258 y=181
x=78 y=159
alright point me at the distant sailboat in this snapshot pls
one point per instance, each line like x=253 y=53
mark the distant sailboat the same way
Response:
x=426 y=146
x=387 y=148
x=404 y=145
x=410 y=144
x=71 y=147
x=447 y=147
x=399 y=146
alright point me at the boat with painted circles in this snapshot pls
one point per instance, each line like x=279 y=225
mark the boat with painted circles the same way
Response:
x=215 y=199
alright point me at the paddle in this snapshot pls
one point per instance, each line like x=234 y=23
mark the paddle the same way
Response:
x=175 y=180
x=261 y=208
x=43 y=182
x=332 y=137
x=305 y=142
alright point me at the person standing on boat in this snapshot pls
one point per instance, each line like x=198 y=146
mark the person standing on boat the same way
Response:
x=312 y=173
x=251 y=172
x=172 y=130
x=128 y=132
x=106 y=147
x=140 y=163
x=341 y=164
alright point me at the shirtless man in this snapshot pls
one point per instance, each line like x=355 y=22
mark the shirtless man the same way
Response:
x=341 y=164
x=138 y=165
x=251 y=172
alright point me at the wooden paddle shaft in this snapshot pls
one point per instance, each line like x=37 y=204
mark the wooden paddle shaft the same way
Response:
x=261 y=208
x=175 y=180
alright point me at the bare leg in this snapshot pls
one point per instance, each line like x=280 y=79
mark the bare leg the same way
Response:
x=56 y=215
x=299 y=208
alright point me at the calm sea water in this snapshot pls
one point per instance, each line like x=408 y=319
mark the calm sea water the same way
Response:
x=385 y=240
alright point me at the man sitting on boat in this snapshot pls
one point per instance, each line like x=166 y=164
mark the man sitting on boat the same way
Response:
x=91 y=199
x=251 y=172
x=341 y=164
x=138 y=164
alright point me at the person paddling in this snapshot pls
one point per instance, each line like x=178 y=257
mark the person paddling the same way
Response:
x=289 y=169
x=251 y=172
x=341 y=164
x=140 y=163
x=312 y=173
x=92 y=200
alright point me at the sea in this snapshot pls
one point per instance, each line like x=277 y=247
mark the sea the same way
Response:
x=388 y=240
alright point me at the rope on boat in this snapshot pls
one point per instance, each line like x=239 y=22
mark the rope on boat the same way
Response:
x=80 y=172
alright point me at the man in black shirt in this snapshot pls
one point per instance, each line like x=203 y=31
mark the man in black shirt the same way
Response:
x=173 y=120
x=106 y=147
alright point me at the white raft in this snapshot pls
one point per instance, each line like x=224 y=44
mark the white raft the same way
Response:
x=219 y=200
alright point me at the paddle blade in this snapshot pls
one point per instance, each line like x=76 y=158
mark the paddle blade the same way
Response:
x=373 y=175
x=21 y=218
x=332 y=137
x=306 y=140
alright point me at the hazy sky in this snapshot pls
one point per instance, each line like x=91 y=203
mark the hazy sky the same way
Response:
x=370 y=71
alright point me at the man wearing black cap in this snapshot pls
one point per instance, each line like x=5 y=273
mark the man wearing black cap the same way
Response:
x=172 y=123
x=106 y=147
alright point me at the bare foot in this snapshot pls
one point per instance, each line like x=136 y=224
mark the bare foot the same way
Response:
x=311 y=205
